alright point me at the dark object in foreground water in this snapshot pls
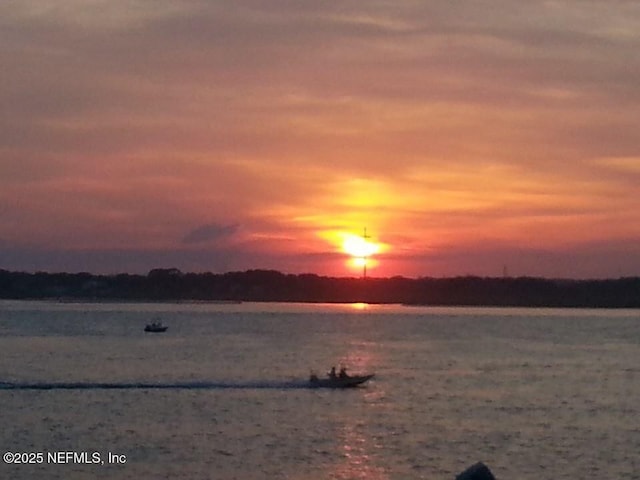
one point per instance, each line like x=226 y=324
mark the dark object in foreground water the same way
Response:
x=155 y=327
x=338 y=382
x=478 y=471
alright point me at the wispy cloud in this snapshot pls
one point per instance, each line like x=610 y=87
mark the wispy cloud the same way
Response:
x=210 y=233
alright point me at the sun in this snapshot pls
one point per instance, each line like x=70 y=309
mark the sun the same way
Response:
x=361 y=250
x=359 y=247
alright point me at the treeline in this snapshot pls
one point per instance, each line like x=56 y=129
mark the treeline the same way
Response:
x=273 y=286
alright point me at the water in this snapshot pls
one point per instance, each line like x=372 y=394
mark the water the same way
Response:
x=534 y=393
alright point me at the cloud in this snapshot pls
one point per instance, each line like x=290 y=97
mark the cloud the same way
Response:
x=210 y=233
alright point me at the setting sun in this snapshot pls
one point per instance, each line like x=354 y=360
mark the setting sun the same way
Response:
x=359 y=247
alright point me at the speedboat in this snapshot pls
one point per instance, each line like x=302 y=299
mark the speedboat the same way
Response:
x=155 y=327
x=338 y=381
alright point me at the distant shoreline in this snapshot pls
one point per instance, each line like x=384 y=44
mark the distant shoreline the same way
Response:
x=172 y=285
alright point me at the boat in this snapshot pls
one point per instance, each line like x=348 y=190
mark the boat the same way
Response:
x=155 y=327
x=338 y=381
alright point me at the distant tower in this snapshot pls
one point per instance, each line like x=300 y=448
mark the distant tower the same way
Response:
x=364 y=258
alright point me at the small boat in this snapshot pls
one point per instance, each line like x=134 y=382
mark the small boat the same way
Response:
x=338 y=381
x=155 y=327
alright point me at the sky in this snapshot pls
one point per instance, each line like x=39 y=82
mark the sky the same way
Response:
x=468 y=137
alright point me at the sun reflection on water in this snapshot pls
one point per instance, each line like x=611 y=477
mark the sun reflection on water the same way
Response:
x=359 y=306
x=357 y=462
x=357 y=448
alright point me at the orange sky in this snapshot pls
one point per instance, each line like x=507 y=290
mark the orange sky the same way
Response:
x=214 y=136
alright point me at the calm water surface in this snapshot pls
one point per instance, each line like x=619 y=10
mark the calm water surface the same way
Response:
x=534 y=393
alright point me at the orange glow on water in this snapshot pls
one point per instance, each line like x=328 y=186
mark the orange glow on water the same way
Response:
x=359 y=306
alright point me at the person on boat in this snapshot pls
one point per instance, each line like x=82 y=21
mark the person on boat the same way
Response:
x=332 y=373
x=343 y=372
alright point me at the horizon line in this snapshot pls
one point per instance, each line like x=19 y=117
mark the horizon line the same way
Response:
x=178 y=272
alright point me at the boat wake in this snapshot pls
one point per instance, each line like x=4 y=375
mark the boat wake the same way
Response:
x=264 y=385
